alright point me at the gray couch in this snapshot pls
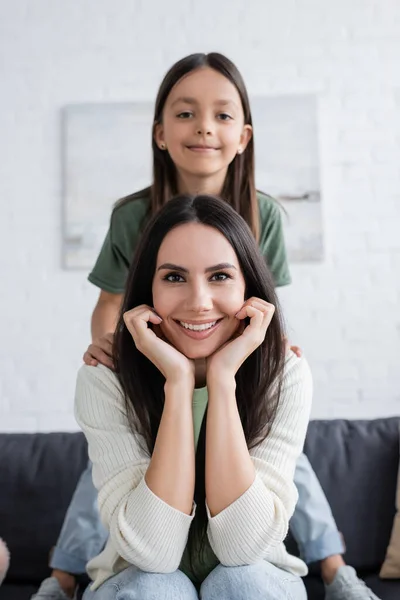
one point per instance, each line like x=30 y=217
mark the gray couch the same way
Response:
x=356 y=462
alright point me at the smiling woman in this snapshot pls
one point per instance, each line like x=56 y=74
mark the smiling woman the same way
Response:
x=203 y=389
x=198 y=300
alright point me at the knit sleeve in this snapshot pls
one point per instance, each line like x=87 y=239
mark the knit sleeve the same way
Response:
x=145 y=531
x=257 y=521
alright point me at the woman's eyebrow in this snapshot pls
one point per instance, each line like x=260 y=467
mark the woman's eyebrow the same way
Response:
x=218 y=267
x=172 y=267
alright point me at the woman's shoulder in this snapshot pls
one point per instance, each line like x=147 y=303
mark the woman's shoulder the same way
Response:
x=99 y=382
x=296 y=369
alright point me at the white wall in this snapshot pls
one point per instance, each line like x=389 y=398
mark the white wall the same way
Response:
x=345 y=312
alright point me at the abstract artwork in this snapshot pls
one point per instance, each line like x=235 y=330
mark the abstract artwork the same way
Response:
x=107 y=155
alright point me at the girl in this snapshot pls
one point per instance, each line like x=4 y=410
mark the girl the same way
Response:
x=200 y=363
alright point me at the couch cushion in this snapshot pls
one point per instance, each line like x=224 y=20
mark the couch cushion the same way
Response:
x=357 y=463
x=38 y=475
x=391 y=566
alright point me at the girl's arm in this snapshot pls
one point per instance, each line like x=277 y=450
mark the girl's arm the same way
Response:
x=105 y=314
x=144 y=503
x=104 y=320
x=251 y=496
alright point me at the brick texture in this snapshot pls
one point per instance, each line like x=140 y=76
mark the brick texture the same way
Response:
x=344 y=312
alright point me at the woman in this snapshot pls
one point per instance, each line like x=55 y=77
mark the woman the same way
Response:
x=195 y=438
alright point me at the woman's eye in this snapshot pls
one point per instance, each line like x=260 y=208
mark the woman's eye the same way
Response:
x=224 y=117
x=174 y=278
x=220 y=277
x=185 y=115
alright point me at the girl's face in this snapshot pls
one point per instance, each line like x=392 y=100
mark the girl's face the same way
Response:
x=203 y=124
x=198 y=288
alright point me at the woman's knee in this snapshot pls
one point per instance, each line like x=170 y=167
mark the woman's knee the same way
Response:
x=261 y=581
x=133 y=584
x=161 y=586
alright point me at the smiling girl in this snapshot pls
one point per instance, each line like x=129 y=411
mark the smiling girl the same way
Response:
x=194 y=440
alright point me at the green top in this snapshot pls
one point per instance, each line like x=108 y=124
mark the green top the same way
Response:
x=128 y=220
x=208 y=560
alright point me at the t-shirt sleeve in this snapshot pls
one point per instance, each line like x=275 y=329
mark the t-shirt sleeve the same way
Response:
x=272 y=241
x=111 y=269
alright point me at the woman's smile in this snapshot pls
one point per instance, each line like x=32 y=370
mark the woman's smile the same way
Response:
x=199 y=330
x=197 y=294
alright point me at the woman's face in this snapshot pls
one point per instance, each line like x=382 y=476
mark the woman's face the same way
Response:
x=203 y=124
x=198 y=288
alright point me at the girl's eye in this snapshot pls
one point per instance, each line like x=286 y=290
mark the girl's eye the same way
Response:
x=186 y=114
x=225 y=117
x=173 y=278
x=220 y=277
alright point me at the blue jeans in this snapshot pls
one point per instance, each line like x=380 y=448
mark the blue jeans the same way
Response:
x=83 y=536
x=261 y=581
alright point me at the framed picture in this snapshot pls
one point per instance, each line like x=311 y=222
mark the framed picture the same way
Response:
x=107 y=155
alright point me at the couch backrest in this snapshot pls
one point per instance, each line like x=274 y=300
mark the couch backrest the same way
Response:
x=38 y=475
x=356 y=463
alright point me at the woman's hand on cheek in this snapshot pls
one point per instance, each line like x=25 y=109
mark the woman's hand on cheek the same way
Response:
x=226 y=361
x=149 y=341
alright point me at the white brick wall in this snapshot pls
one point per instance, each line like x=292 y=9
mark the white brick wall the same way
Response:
x=343 y=312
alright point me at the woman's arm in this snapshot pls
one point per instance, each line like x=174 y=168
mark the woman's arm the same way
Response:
x=148 y=530
x=229 y=468
x=250 y=524
x=171 y=472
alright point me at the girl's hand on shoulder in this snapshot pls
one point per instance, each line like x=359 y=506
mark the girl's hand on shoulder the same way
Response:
x=100 y=351
x=295 y=349
x=227 y=360
x=150 y=342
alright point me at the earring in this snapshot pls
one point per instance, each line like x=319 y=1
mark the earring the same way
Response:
x=162 y=146
x=240 y=150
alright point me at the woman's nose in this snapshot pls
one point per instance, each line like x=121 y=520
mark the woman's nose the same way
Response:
x=200 y=299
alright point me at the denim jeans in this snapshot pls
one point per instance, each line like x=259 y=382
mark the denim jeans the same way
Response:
x=261 y=581
x=83 y=536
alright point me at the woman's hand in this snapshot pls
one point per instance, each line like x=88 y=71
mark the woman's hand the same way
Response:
x=169 y=361
x=100 y=351
x=226 y=361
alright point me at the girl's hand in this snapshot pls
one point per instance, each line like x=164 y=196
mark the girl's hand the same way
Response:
x=169 y=361
x=297 y=351
x=226 y=361
x=100 y=351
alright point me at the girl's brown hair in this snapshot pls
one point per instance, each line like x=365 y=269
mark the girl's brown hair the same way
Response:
x=239 y=188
